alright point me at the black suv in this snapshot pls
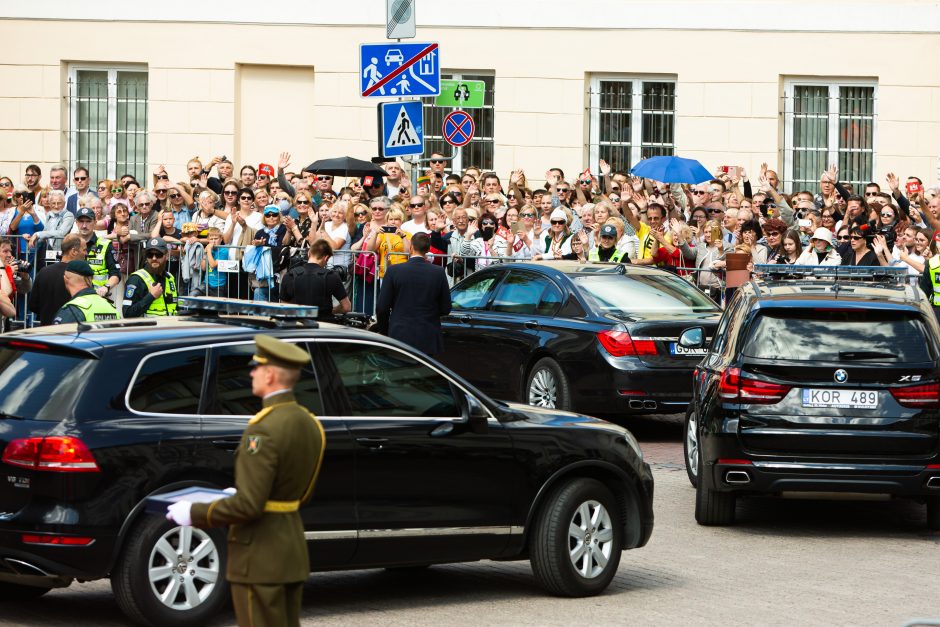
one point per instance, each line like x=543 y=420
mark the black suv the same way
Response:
x=420 y=467
x=821 y=380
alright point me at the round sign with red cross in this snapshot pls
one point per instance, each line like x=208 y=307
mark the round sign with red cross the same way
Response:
x=458 y=128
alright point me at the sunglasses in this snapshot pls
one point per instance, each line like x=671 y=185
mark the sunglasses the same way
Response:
x=615 y=189
x=559 y=222
x=174 y=196
x=360 y=213
x=526 y=215
x=698 y=193
x=160 y=191
x=716 y=211
x=843 y=238
x=153 y=254
x=772 y=234
x=887 y=214
x=871 y=193
x=248 y=198
x=416 y=206
x=115 y=190
x=585 y=182
x=488 y=223
x=81 y=178
x=563 y=190
x=450 y=200
x=163 y=177
x=263 y=176
x=302 y=202
x=614 y=198
x=855 y=238
x=496 y=200
x=270 y=214
x=230 y=192
x=324 y=178
x=374 y=209
x=144 y=204
x=437 y=161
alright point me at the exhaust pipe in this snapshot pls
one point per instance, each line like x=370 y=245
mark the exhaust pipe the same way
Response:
x=737 y=477
x=636 y=404
x=933 y=483
x=649 y=404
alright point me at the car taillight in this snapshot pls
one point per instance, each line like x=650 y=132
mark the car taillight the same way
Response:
x=620 y=344
x=920 y=396
x=734 y=387
x=35 y=538
x=53 y=453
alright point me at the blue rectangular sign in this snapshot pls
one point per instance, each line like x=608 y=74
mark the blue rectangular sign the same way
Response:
x=399 y=70
x=401 y=128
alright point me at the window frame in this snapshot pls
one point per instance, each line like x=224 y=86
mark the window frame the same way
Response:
x=833 y=116
x=456 y=163
x=532 y=276
x=112 y=130
x=148 y=357
x=636 y=112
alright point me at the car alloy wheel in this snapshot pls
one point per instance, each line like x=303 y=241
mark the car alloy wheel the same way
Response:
x=690 y=444
x=543 y=389
x=183 y=568
x=590 y=539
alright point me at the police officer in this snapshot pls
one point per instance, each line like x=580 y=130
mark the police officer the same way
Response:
x=930 y=283
x=151 y=291
x=276 y=467
x=606 y=249
x=101 y=254
x=86 y=304
x=314 y=284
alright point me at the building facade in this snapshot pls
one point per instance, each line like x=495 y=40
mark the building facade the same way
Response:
x=794 y=84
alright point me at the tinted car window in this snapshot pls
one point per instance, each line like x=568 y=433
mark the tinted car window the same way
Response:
x=472 y=293
x=41 y=386
x=643 y=293
x=169 y=383
x=519 y=293
x=233 y=396
x=551 y=300
x=382 y=382
x=840 y=335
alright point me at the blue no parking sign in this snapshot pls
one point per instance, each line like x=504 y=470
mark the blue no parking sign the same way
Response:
x=458 y=128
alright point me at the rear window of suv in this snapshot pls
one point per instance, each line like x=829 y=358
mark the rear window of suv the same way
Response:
x=41 y=385
x=838 y=335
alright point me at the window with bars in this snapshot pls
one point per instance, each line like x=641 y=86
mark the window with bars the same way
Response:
x=479 y=152
x=631 y=119
x=828 y=123
x=108 y=121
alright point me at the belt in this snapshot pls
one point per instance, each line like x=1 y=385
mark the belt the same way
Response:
x=282 y=507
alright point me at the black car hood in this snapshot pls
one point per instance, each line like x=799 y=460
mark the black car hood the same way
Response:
x=557 y=417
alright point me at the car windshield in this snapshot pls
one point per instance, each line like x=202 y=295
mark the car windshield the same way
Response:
x=643 y=293
x=40 y=385
x=837 y=335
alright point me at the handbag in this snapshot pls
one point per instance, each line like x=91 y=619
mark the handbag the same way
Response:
x=365 y=266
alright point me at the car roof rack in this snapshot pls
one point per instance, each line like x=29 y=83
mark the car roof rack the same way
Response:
x=213 y=307
x=123 y=323
x=885 y=274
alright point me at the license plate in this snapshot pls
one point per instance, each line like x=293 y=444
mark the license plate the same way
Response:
x=677 y=349
x=840 y=399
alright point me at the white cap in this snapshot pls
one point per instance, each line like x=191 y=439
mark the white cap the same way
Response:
x=824 y=234
x=559 y=214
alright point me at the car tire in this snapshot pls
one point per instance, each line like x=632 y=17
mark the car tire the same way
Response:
x=574 y=565
x=19 y=592
x=690 y=451
x=712 y=508
x=933 y=513
x=547 y=386
x=144 y=573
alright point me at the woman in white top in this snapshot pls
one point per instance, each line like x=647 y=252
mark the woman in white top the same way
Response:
x=336 y=232
x=526 y=232
x=558 y=239
x=820 y=252
x=233 y=227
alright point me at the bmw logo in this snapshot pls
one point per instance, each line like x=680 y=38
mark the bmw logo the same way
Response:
x=840 y=376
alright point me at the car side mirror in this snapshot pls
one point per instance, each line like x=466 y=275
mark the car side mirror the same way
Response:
x=477 y=416
x=692 y=338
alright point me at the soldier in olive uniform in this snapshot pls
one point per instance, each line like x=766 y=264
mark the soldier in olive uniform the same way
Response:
x=276 y=466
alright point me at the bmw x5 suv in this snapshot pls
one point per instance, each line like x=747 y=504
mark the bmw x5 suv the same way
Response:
x=420 y=467
x=817 y=380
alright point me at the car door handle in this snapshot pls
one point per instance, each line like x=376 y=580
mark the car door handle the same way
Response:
x=375 y=443
x=461 y=318
x=531 y=324
x=229 y=444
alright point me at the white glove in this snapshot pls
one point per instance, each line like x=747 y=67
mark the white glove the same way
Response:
x=179 y=513
x=230 y=490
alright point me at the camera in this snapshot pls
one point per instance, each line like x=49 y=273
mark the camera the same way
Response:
x=889 y=234
x=23 y=266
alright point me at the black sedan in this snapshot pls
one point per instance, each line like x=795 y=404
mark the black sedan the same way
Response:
x=596 y=338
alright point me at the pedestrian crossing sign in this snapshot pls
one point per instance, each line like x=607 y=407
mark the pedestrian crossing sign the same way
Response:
x=401 y=128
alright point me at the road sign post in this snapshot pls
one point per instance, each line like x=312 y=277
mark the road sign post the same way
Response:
x=401 y=128
x=399 y=70
x=458 y=128
x=461 y=94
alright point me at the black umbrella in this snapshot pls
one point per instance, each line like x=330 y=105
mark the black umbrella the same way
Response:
x=345 y=166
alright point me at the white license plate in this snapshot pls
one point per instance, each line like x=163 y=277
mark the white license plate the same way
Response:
x=677 y=349
x=840 y=399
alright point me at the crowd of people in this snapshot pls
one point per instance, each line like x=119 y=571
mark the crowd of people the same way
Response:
x=215 y=231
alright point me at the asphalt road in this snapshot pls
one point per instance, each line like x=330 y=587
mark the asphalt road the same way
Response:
x=786 y=562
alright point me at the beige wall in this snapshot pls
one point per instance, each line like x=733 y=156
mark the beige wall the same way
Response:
x=208 y=85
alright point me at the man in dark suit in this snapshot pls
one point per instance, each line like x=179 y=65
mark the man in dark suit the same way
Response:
x=414 y=296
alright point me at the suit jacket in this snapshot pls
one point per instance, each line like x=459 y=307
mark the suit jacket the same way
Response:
x=413 y=298
x=277 y=461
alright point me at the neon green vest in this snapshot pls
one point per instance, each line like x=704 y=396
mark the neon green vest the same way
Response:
x=595 y=256
x=933 y=267
x=94 y=307
x=159 y=306
x=97 y=259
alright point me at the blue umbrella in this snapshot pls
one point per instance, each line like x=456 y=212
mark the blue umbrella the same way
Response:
x=672 y=170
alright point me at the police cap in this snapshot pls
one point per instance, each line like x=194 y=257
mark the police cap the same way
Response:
x=270 y=351
x=86 y=213
x=156 y=243
x=80 y=267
